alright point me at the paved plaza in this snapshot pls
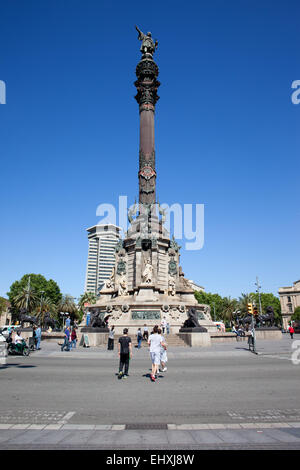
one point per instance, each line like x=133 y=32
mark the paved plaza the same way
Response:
x=222 y=397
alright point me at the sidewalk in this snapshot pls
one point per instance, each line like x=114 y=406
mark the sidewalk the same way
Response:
x=117 y=437
x=238 y=348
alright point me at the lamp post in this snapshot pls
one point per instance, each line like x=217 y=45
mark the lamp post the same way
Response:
x=27 y=296
x=214 y=310
x=258 y=291
x=42 y=292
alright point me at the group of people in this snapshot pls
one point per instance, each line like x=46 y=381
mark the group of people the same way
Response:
x=70 y=337
x=239 y=331
x=165 y=327
x=158 y=352
x=18 y=340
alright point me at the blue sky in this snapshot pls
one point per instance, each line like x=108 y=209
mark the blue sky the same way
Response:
x=227 y=133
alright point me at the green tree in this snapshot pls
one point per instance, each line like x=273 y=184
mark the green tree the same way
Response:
x=296 y=314
x=242 y=302
x=215 y=302
x=38 y=284
x=45 y=304
x=87 y=297
x=26 y=299
x=3 y=305
x=67 y=305
x=229 y=307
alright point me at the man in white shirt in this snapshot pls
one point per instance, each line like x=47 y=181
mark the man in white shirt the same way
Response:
x=155 y=342
x=18 y=338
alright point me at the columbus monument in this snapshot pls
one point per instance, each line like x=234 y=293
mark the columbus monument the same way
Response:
x=147 y=283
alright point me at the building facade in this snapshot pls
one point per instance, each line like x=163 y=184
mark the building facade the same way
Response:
x=101 y=255
x=289 y=301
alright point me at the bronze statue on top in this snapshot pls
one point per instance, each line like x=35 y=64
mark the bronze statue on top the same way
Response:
x=148 y=46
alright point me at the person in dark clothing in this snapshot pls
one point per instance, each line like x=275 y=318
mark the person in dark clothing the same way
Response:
x=125 y=353
x=111 y=336
x=34 y=336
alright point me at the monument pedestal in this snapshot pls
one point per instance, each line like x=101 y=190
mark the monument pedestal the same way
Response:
x=195 y=339
x=96 y=336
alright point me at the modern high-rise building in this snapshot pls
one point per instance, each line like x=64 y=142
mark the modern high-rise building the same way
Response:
x=101 y=255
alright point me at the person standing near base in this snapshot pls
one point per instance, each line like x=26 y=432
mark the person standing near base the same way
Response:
x=146 y=333
x=139 y=337
x=111 y=338
x=38 y=336
x=125 y=353
x=155 y=342
x=73 y=338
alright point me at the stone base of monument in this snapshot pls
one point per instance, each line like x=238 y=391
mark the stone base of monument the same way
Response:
x=96 y=336
x=195 y=337
x=270 y=333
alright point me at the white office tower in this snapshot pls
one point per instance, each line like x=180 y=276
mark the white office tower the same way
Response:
x=101 y=255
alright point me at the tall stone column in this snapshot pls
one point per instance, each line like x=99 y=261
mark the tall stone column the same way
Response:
x=147 y=85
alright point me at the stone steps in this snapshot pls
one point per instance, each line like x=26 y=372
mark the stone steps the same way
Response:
x=173 y=340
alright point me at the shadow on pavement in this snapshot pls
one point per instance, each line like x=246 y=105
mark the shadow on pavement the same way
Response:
x=13 y=364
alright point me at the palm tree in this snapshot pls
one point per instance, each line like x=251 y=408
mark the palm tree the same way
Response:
x=46 y=305
x=67 y=305
x=229 y=306
x=244 y=299
x=87 y=297
x=27 y=299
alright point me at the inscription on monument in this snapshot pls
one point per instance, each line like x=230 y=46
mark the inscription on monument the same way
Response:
x=145 y=315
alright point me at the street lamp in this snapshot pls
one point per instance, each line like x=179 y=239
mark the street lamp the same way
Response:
x=258 y=291
x=214 y=310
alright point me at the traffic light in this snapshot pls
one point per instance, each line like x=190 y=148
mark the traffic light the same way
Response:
x=255 y=311
x=250 y=308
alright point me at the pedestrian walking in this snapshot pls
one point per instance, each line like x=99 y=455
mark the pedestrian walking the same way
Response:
x=73 y=338
x=291 y=331
x=163 y=354
x=125 y=354
x=111 y=338
x=155 y=342
x=66 y=340
x=146 y=333
x=139 y=338
x=168 y=328
x=38 y=336
x=68 y=321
